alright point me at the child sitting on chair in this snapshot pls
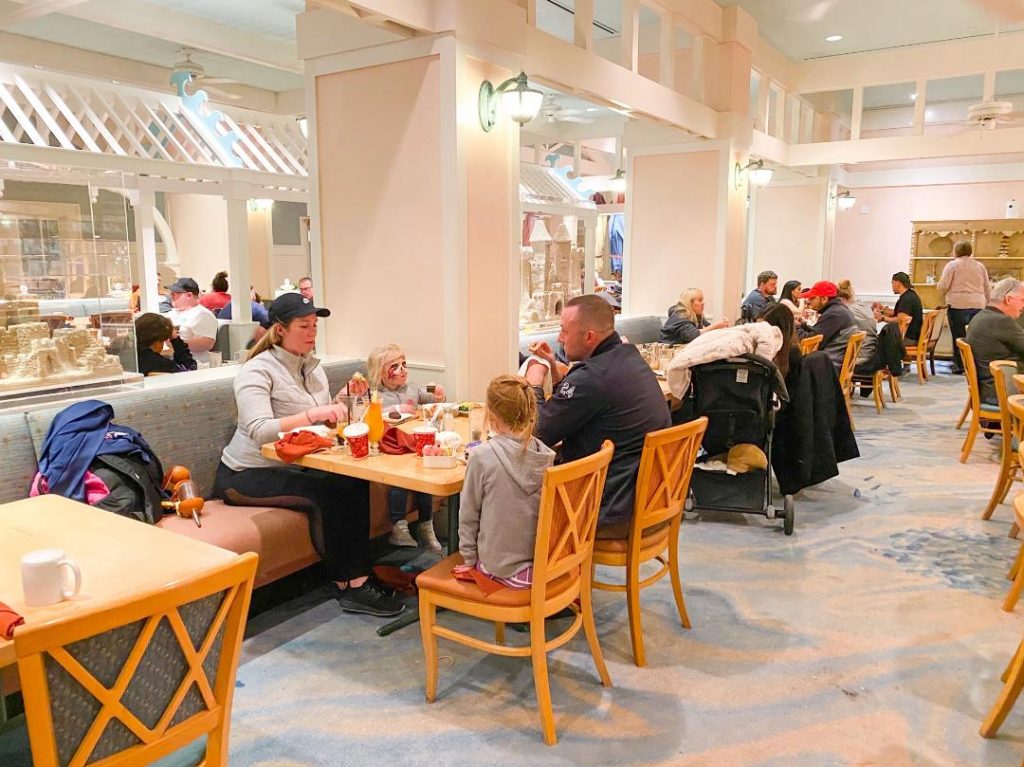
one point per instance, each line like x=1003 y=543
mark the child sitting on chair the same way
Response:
x=388 y=373
x=501 y=493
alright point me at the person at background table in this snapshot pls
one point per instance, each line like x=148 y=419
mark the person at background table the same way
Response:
x=610 y=393
x=995 y=335
x=686 y=319
x=760 y=297
x=790 y=298
x=964 y=288
x=907 y=305
x=789 y=353
x=864 y=317
x=196 y=324
x=152 y=331
x=306 y=287
x=388 y=374
x=280 y=388
x=218 y=298
x=500 y=497
x=835 y=321
x=259 y=311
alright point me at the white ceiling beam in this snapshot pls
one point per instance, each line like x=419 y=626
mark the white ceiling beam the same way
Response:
x=15 y=11
x=970 y=143
x=185 y=29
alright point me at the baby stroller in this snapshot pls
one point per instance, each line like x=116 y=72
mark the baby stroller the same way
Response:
x=739 y=396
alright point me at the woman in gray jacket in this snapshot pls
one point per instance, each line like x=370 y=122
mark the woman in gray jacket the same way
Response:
x=280 y=388
x=500 y=498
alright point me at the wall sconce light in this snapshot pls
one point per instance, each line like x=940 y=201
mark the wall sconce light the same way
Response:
x=756 y=172
x=261 y=206
x=845 y=200
x=617 y=183
x=521 y=102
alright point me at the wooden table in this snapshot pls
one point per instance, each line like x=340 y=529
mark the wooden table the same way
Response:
x=118 y=557
x=404 y=471
x=1018 y=381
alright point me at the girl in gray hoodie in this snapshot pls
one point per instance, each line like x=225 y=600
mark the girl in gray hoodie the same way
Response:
x=500 y=497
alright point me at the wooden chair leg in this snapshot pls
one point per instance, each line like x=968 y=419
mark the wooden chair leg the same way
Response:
x=636 y=631
x=972 y=433
x=894 y=389
x=1002 y=488
x=590 y=630
x=963 y=415
x=849 y=410
x=677 y=585
x=1018 y=582
x=1007 y=697
x=922 y=373
x=1015 y=567
x=428 y=614
x=1016 y=654
x=539 y=658
x=1013 y=531
x=499 y=632
x=876 y=390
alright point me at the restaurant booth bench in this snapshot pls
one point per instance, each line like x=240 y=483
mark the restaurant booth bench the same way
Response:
x=187 y=425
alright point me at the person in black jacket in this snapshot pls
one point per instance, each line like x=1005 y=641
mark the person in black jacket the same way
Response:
x=152 y=331
x=686 y=319
x=835 y=321
x=609 y=393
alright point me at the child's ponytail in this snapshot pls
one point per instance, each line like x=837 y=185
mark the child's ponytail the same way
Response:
x=512 y=400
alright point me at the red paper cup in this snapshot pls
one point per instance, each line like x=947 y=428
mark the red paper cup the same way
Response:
x=357 y=435
x=423 y=435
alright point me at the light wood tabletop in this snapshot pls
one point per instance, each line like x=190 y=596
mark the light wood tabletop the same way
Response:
x=1018 y=381
x=404 y=471
x=118 y=556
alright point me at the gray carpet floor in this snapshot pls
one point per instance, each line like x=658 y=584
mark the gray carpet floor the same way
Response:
x=872 y=636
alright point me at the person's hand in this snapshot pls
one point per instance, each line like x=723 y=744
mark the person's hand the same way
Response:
x=327 y=413
x=719 y=324
x=463 y=569
x=407 y=407
x=624 y=339
x=543 y=350
x=357 y=387
x=438 y=393
x=536 y=372
x=877 y=312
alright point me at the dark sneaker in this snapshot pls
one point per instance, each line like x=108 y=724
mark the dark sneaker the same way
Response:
x=372 y=598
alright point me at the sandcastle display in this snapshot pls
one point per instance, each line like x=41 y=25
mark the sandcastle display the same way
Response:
x=551 y=274
x=30 y=357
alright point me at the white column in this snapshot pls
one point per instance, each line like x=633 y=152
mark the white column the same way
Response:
x=238 y=260
x=856 y=112
x=145 y=242
x=589 y=252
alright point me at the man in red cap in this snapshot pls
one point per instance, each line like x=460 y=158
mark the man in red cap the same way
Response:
x=835 y=321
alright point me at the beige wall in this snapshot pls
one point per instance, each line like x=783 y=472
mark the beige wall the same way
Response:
x=869 y=247
x=673 y=230
x=378 y=139
x=788 y=231
x=259 y=254
x=199 y=223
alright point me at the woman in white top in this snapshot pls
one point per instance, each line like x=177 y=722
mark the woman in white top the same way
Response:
x=964 y=288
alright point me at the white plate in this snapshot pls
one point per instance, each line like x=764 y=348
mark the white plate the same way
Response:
x=401 y=419
x=319 y=429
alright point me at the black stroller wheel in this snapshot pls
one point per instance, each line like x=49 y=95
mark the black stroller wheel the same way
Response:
x=789 y=514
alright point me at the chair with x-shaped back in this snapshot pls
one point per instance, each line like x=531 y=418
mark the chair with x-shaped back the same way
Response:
x=139 y=681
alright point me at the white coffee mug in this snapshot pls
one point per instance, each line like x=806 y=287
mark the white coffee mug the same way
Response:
x=44 y=577
x=215 y=359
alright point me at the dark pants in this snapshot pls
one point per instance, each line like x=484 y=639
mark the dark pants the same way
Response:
x=958 y=321
x=397 y=504
x=338 y=509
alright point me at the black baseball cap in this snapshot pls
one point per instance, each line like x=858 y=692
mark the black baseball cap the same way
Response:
x=184 y=285
x=291 y=305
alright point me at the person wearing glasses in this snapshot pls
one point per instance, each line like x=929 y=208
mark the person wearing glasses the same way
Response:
x=388 y=374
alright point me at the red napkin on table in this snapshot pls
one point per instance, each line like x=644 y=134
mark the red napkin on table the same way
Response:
x=296 y=444
x=9 y=620
x=396 y=442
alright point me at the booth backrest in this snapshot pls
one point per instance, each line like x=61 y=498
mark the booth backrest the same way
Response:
x=187 y=425
x=639 y=330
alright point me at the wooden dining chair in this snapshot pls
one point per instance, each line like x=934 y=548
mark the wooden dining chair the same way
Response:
x=138 y=681
x=661 y=488
x=918 y=353
x=1010 y=428
x=1016 y=573
x=1013 y=683
x=985 y=418
x=846 y=371
x=562 y=571
x=810 y=344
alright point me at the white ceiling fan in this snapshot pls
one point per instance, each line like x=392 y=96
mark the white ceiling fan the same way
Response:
x=199 y=79
x=989 y=115
x=553 y=111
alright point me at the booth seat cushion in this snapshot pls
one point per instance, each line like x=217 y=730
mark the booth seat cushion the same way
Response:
x=279 y=536
x=17 y=457
x=639 y=330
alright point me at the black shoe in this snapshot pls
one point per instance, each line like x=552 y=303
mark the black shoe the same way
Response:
x=372 y=598
x=957 y=371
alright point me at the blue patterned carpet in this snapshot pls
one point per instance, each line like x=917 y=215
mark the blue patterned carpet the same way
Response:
x=872 y=636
